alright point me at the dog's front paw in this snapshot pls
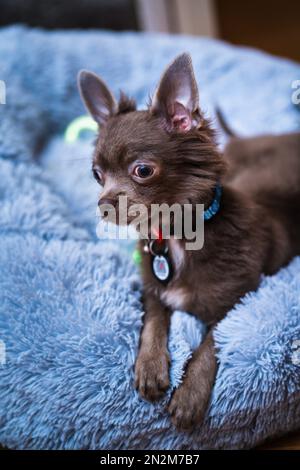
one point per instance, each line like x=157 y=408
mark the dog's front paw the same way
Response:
x=152 y=375
x=188 y=406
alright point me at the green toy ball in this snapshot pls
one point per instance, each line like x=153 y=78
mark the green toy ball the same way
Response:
x=79 y=125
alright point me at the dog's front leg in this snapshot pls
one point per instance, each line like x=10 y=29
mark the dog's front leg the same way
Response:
x=152 y=365
x=189 y=402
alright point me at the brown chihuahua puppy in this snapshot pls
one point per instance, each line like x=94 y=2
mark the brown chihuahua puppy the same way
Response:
x=167 y=154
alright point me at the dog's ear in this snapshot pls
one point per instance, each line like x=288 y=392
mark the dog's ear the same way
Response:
x=96 y=96
x=176 y=98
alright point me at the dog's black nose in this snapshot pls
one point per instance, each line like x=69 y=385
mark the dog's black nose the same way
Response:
x=104 y=201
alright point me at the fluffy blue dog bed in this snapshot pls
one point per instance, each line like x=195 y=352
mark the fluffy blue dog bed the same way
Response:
x=70 y=311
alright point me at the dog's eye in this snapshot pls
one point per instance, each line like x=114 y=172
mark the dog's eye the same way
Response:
x=143 y=171
x=97 y=175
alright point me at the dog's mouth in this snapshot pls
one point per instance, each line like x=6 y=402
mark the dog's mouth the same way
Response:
x=115 y=215
x=144 y=221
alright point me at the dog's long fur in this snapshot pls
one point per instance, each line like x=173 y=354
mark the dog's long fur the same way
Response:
x=257 y=229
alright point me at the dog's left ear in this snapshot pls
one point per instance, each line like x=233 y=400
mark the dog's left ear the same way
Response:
x=176 y=99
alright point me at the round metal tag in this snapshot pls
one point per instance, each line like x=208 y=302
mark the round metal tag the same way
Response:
x=161 y=267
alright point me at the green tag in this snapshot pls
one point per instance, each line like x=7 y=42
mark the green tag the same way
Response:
x=136 y=256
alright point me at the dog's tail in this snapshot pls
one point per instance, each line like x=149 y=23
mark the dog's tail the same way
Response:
x=223 y=124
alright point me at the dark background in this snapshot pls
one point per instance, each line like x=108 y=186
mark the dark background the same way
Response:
x=271 y=25
x=65 y=14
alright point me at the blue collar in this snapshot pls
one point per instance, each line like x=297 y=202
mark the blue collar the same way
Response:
x=215 y=205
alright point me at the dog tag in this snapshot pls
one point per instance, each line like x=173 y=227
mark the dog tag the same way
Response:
x=161 y=267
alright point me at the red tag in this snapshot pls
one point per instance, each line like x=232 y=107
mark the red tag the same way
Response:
x=158 y=234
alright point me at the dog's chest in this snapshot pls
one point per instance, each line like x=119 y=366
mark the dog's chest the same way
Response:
x=177 y=253
x=174 y=295
x=175 y=298
x=191 y=288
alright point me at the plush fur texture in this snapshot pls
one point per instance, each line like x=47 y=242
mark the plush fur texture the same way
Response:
x=70 y=311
